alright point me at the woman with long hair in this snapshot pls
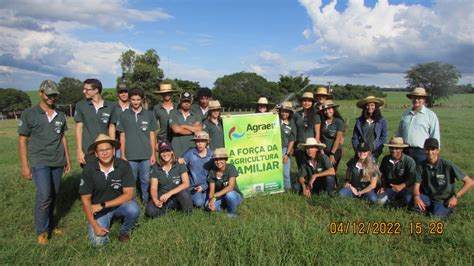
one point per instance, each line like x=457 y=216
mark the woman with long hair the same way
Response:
x=332 y=129
x=263 y=105
x=362 y=175
x=370 y=127
x=288 y=137
x=213 y=125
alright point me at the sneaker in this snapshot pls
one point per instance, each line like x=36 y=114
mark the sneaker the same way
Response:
x=383 y=200
x=232 y=215
x=43 y=238
x=124 y=238
x=58 y=231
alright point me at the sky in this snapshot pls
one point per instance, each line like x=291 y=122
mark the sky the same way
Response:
x=353 y=41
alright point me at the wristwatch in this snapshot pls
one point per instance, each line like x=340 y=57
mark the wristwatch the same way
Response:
x=214 y=196
x=456 y=196
x=102 y=205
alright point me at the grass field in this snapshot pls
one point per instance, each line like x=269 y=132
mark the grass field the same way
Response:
x=276 y=229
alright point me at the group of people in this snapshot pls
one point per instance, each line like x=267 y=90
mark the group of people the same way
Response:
x=176 y=153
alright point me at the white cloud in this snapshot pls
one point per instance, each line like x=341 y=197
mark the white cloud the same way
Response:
x=270 y=57
x=179 y=48
x=205 y=77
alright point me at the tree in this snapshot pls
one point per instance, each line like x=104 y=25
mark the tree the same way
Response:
x=13 y=100
x=293 y=85
x=437 y=78
x=70 y=91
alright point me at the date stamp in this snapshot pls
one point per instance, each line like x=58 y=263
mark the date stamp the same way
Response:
x=386 y=228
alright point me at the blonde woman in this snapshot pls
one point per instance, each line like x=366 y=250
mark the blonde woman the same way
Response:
x=362 y=175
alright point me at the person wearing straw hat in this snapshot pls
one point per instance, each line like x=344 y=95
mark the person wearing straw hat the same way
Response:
x=362 y=175
x=263 y=105
x=332 y=129
x=198 y=161
x=200 y=109
x=435 y=185
x=321 y=95
x=169 y=184
x=307 y=123
x=223 y=189
x=370 y=127
x=288 y=137
x=137 y=127
x=183 y=125
x=107 y=191
x=316 y=173
x=44 y=155
x=418 y=124
x=397 y=173
x=164 y=109
x=213 y=125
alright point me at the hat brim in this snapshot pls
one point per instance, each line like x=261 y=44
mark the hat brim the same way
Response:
x=325 y=108
x=214 y=108
x=410 y=95
x=94 y=145
x=302 y=146
x=162 y=92
x=396 y=145
x=329 y=96
x=219 y=157
x=285 y=108
x=360 y=104
x=200 y=139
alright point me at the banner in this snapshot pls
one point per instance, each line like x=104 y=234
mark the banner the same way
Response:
x=253 y=142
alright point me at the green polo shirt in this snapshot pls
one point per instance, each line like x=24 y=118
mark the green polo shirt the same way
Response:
x=356 y=175
x=196 y=110
x=329 y=131
x=118 y=111
x=216 y=133
x=105 y=187
x=288 y=133
x=307 y=169
x=438 y=182
x=168 y=180
x=94 y=122
x=399 y=172
x=223 y=181
x=303 y=126
x=137 y=128
x=182 y=143
x=45 y=146
x=162 y=116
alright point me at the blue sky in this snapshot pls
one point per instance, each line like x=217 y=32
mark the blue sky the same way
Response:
x=352 y=41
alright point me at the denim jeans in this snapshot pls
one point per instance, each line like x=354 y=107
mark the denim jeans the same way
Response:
x=437 y=208
x=142 y=168
x=231 y=200
x=418 y=154
x=371 y=195
x=326 y=183
x=129 y=211
x=286 y=171
x=182 y=201
x=405 y=194
x=199 y=198
x=47 y=180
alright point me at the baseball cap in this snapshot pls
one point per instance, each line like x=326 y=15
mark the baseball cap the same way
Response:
x=363 y=147
x=164 y=145
x=185 y=96
x=431 y=143
x=49 y=87
x=122 y=87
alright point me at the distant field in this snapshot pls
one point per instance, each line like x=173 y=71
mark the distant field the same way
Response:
x=273 y=230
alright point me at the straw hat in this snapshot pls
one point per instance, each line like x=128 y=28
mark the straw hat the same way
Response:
x=219 y=153
x=165 y=88
x=286 y=106
x=102 y=138
x=323 y=91
x=214 y=105
x=328 y=104
x=419 y=92
x=201 y=135
x=307 y=95
x=263 y=101
x=311 y=142
x=396 y=142
x=370 y=99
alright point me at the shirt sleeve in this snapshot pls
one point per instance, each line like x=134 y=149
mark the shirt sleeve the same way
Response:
x=232 y=171
x=114 y=113
x=182 y=169
x=340 y=127
x=154 y=171
x=326 y=162
x=302 y=172
x=418 y=174
x=23 y=128
x=293 y=131
x=154 y=123
x=456 y=172
x=411 y=168
x=173 y=120
x=434 y=130
x=211 y=176
x=65 y=128
x=78 y=115
x=85 y=185
x=120 y=123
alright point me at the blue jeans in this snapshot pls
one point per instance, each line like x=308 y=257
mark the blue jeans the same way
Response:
x=437 y=208
x=405 y=194
x=181 y=201
x=371 y=195
x=286 y=171
x=326 y=183
x=142 y=168
x=129 y=211
x=231 y=200
x=418 y=154
x=47 y=180
x=199 y=198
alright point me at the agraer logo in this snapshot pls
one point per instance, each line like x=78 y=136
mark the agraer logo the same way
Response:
x=233 y=133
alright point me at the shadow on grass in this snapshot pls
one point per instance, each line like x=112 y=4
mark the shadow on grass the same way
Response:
x=67 y=195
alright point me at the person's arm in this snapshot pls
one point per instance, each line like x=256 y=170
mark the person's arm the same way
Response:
x=87 y=208
x=212 y=200
x=370 y=187
x=80 y=154
x=152 y=147
x=122 y=146
x=197 y=126
x=327 y=172
x=228 y=188
x=416 y=197
x=400 y=129
x=468 y=184
x=67 y=168
x=335 y=146
x=304 y=187
x=383 y=135
x=434 y=130
x=317 y=131
x=154 y=192
x=181 y=130
x=184 y=185
x=112 y=130
x=23 y=152
x=355 y=136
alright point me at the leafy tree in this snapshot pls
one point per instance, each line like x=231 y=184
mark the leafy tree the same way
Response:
x=13 y=100
x=293 y=85
x=109 y=96
x=354 y=92
x=437 y=78
x=70 y=90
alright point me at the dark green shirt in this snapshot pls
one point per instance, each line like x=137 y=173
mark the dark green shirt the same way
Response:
x=94 y=122
x=329 y=131
x=162 y=116
x=402 y=171
x=221 y=182
x=438 y=182
x=45 y=146
x=216 y=133
x=105 y=187
x=182 y=143
x=137 y=128
x=369 y=130
x=288 y=133
x=196 y=110
x=304 y=127
x=356 y=175
x=118 y=111
x=170 y=180
x=307 y=170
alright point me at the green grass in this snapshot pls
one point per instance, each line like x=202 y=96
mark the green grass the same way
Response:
x=274 y=229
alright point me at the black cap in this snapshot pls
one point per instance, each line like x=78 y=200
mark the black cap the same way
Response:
x=431 y=143
x=122 y=87
x=204 y=92
x=363 y=147
x=164 y=145
x=185 y=96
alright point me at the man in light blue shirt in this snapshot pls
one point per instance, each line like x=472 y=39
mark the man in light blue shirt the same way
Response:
x=418 y=124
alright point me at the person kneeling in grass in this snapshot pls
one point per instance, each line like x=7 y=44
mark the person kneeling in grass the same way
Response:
x=434 y=189
x=223 y=188
x=362 y=175
x=316 y=172
x=168 y=184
